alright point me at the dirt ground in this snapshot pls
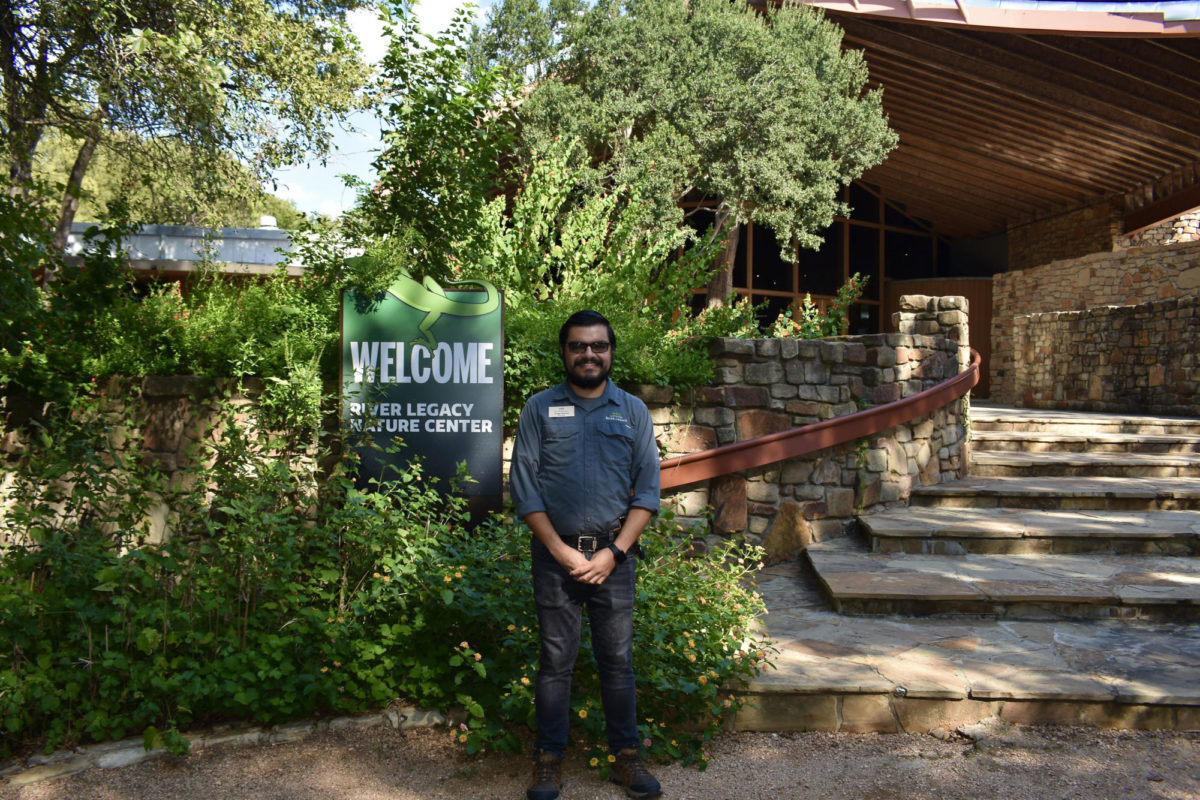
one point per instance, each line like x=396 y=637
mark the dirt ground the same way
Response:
x=379 y=763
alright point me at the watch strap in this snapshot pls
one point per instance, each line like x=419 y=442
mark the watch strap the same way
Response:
x=617 y=552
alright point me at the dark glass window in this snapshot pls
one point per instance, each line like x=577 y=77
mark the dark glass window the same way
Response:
x=864 y=206
x=770 y=270
x=908 y=255
x=771 y=309
x=897 y=219
x=864 y=318
x=821 y=271
x=864 y=258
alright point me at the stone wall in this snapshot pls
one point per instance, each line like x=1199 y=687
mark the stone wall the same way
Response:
x=1133 y=276
x=1185 y=228
x=771 y=385
x=168 y=419
x=1114 y=358
x=1075 y=233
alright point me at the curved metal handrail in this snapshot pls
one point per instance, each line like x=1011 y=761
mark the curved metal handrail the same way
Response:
x=694 y=467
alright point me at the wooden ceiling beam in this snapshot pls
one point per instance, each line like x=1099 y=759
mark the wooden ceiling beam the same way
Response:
x=1133 y=63
x=960 y=52
x=1010 y=137
x=1007 y=109
x=926 y=140
x=1047 y=162
x=1097 y=80
x=921 y=179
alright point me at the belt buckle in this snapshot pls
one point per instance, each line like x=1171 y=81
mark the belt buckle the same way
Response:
x=593 y=541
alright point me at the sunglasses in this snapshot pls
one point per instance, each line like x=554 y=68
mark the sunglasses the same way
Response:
x=598 y=348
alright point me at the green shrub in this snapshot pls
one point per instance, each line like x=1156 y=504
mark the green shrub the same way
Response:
x=284 y=591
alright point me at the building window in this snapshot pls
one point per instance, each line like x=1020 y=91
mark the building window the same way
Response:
x=877 y=241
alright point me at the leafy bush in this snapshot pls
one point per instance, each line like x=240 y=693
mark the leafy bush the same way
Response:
x=283 y=591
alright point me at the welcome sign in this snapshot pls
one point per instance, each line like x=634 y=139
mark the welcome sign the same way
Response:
x=424 y=363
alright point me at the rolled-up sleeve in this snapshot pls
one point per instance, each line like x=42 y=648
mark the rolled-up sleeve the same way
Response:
x=645 y=483
x=523 y=473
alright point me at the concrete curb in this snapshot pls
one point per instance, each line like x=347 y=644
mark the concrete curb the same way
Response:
x=113 y=755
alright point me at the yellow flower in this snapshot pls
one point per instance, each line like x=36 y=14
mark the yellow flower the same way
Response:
x=337 y=663
x=376 y=575
x=512 y=627
x=703 y=679
x=594 y=762
x=458 y=574
x=691 y=656
x=524 y=681
x=462 y=737
x=446 y=578
x=612 y=759
x=386 y=579
x=463 y=645
x=478 y=657
x=324 y=669
x=583 y=713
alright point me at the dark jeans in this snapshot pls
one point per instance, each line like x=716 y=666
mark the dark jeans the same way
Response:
x=560 y=602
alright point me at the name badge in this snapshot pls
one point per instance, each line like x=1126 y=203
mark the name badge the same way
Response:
x=558 y=412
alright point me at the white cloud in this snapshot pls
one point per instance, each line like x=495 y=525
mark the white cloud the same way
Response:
x=365 y=24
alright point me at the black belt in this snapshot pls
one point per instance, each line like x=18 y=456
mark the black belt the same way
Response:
x=589 y=543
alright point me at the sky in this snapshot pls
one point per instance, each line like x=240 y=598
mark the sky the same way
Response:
x=318 y=189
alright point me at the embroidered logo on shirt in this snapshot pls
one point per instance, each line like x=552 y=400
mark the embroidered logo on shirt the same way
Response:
x=616 y=416
x=558 y=412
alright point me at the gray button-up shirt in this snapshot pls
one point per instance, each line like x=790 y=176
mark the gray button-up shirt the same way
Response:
x=584 y=468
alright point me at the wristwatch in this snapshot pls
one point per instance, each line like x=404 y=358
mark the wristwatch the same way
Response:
x=618 y=553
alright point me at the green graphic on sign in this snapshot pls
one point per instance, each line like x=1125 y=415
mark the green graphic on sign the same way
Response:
x=425 y=364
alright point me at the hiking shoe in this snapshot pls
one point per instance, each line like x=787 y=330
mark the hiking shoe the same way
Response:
x=630 y=773
x=547 y=777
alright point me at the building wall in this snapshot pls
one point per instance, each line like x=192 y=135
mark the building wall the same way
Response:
x=1128 y=277
x=1076 y=233
x=1185 y=228
x=1139 y=358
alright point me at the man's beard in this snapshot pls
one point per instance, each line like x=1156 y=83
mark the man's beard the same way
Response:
x=587 y=381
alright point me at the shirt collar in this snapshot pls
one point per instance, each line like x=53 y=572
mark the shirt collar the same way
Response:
x=564 y=392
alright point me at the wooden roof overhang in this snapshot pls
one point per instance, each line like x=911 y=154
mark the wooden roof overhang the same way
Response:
x=1009 y=114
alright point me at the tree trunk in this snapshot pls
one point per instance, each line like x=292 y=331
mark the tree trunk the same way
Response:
x=720 y=286
x=74 y=188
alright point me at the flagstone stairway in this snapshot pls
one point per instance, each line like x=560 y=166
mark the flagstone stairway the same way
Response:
x=1058 y=583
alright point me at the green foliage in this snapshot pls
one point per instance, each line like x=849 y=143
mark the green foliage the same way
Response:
x=762 y=111
x=202 y=81
x=161 y=183
x=47 y=306
x=814 y=323
x=284 y=591
x=552 y=256
x=443 y=142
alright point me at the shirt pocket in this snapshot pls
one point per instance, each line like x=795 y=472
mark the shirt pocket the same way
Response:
x=615 y=442
x=560 y=444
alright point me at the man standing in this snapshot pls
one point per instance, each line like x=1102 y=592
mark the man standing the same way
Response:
x=584 y=478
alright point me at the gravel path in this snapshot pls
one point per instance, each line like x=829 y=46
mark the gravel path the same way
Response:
x=382 y=764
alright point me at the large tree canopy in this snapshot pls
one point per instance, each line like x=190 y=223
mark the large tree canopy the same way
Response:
x=259 y=80
x=763 y=114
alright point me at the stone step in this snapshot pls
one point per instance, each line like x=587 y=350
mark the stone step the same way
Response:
x=958 y=531
x=993 y=464
x=1012 y=586
x=987 y=417
x=916 y=675
x=1063 y=493
x=1049 y=441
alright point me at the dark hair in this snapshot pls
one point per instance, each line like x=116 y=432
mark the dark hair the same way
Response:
x=585 y=319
